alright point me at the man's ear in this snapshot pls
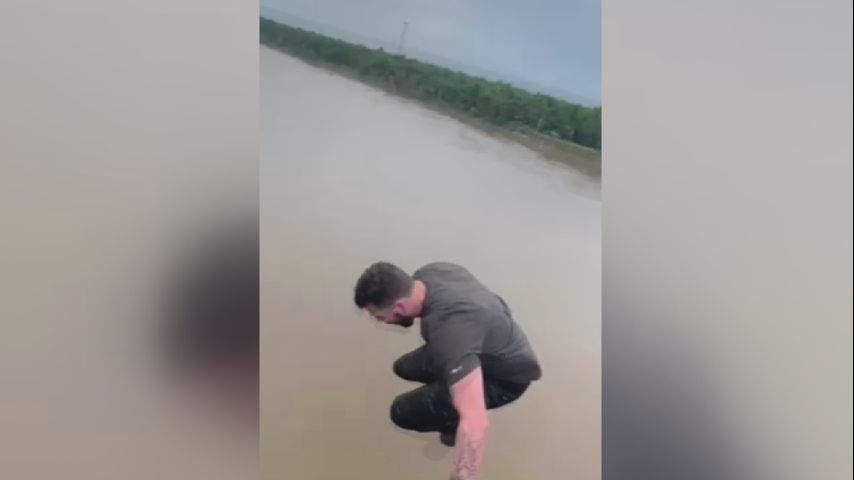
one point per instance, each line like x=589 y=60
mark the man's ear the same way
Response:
x=401 y=307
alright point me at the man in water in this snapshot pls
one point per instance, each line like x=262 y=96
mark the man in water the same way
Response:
x=475 y=356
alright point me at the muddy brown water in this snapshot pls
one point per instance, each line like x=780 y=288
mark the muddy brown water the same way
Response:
x=349 y=175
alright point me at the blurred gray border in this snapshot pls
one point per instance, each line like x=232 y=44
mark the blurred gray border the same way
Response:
x=727 y=206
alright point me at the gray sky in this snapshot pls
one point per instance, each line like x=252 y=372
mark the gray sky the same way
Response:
x=550 y=46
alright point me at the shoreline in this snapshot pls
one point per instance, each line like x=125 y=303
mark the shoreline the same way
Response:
x=585 y=160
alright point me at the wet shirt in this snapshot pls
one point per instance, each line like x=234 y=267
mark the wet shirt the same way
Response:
x=465 y=326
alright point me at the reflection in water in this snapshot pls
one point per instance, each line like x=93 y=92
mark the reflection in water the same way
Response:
x=351 y=175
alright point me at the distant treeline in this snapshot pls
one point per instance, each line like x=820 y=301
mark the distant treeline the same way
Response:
x=495 y=102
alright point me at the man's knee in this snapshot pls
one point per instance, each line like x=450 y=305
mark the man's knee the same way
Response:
x=409 y=414
x=404 y=368
x=399 y=368
x=398 y=415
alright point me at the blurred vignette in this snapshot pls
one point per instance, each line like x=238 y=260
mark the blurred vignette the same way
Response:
x=128 y=195
x=209 y=329
x=727 y=243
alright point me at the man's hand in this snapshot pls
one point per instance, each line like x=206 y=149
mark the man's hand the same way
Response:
x=468 y=397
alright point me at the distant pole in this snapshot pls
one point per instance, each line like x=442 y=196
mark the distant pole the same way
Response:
x=402 y=38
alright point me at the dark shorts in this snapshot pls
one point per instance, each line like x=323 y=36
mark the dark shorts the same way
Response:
x=429 y=408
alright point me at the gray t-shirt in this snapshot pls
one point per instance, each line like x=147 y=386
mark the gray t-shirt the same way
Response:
x=465 y=326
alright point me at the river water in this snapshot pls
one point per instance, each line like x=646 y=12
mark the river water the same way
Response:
x=351 y=175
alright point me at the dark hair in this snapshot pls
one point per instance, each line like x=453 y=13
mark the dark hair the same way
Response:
x=381 y=284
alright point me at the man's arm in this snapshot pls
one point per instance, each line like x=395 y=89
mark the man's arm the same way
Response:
x=468 y=397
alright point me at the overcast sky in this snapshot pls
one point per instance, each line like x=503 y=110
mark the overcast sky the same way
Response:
x=548 y=45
